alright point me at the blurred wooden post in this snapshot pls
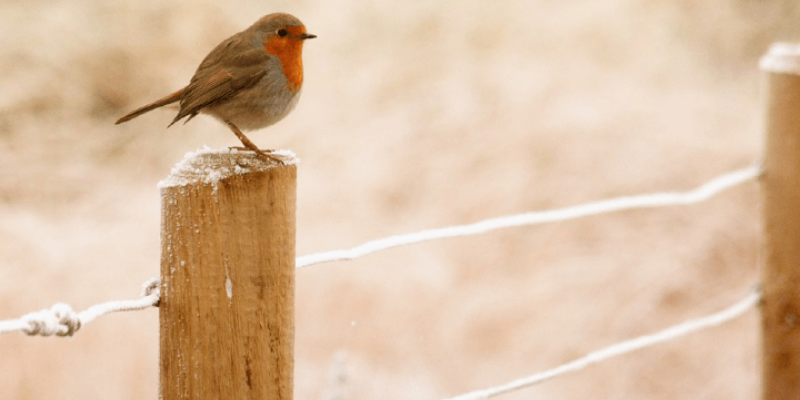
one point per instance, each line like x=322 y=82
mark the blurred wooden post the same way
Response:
x=227 y=278
x=780 y=310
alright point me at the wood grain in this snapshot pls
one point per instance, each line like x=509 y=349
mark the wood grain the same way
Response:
x=227 y=270
x=780 y=309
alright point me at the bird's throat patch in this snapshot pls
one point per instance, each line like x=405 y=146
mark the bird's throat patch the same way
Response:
x=289 y=50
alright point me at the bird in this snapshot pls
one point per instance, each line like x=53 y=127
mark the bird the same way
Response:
x=251 y=80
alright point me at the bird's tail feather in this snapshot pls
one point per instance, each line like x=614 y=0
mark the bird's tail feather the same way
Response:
x=158 y=103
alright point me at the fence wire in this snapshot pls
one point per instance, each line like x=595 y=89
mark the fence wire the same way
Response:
x=702 y=193
x=627 y=346
x=61 y=320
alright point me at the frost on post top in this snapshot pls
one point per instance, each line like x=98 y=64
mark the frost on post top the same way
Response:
x=782 y=58
x=212 y=165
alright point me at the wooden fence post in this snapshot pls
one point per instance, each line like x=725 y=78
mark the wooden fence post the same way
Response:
x=780 y=310
x=227 y=278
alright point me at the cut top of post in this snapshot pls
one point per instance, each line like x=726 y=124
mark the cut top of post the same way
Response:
x=210 y=166
x=782 y=58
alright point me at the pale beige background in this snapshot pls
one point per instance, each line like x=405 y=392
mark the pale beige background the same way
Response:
x=414 y=115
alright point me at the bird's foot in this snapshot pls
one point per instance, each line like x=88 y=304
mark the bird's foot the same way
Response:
x=263 y=154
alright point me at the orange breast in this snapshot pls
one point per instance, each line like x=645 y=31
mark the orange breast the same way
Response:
x=289 y=50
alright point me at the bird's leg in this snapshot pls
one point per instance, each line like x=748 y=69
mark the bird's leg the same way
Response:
x=250 y=145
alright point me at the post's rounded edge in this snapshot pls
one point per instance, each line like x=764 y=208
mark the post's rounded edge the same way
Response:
x=782 y=57
x=209 y=166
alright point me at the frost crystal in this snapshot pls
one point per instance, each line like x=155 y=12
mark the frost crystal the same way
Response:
x=212 y=165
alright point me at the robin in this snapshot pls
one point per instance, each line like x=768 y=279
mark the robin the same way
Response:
x=249 y=81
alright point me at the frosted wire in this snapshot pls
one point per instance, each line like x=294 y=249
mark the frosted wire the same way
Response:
x=60 y=320
x=627 y=346
x=697 y=195
x=12 y=325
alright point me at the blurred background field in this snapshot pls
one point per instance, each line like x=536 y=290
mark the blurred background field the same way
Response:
x=414 y=115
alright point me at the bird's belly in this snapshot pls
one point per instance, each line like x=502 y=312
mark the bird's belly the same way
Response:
x=253 y=109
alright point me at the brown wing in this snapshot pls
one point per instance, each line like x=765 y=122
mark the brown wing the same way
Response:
x=229 y=68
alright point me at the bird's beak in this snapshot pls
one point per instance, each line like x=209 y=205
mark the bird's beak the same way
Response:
x=304 y=36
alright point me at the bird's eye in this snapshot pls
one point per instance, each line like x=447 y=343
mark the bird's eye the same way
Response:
x=282 y=32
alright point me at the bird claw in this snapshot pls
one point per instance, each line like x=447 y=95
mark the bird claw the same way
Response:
x=261 y=154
